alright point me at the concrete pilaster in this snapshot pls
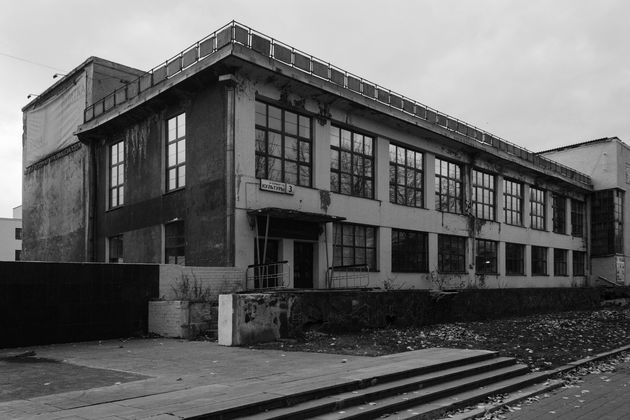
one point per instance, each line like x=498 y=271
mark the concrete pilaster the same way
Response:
x=381 y=169
x=526 y=207
x=499 y=210
x=429 y=184
x=433 y=251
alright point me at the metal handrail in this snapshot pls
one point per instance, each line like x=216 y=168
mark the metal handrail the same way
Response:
x=276 y=275
x=348 y=276
x=236 y=33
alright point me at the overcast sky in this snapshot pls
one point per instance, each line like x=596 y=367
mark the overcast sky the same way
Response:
x=540 y=74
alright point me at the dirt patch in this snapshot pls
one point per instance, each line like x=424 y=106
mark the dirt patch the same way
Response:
x=542 y=341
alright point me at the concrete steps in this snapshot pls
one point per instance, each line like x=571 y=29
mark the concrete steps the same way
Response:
x=400 y=384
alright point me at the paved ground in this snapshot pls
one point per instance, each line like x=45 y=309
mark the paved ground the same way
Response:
x=179 y=378
x=604 y=396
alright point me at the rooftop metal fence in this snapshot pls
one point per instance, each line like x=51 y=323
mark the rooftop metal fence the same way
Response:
x=236 y=33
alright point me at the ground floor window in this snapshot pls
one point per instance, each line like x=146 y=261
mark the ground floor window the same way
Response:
x=354 y=245
x=514 y=259
x=409 y=251
x=175 y=243
x=560 y=262
x=451 y=254
x=115 y=248
x=486 y=259
x=579 y=263
x=539 y=261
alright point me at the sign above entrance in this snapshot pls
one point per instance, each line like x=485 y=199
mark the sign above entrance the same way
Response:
x=274 y=186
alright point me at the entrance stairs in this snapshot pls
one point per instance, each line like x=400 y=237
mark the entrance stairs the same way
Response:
x=421 y=384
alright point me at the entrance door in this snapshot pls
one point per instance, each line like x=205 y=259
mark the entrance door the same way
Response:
x=303 y=265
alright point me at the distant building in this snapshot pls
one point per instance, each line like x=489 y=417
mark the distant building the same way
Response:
x=244 y=152
x=11 y=236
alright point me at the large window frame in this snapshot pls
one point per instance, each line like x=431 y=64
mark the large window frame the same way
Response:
x=354 y=244
x=537 y=208
x=175 y=243
x=410 y=251
x=486 y=256
x=578 y=218
x=513 y=202
x=483 y=195
x=449 y=186
x=579 y=263
x=452 y=254
x=559 y=204
x=176 y=152
x=406 y=176
x=116 y=174
x=560 y=262
x=351 y=162
x=284 y=145
x=607 y=222
x=539 y=260
x=514 y=259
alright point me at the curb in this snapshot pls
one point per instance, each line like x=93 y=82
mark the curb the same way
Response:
x=534 y=390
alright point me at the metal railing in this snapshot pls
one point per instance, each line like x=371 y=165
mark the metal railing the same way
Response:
x=268 y=276
x=348 y=276
x=236 y=33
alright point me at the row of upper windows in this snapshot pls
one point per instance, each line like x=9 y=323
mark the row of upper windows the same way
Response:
x=356 y=245
x=175 y=161
x=283 y=153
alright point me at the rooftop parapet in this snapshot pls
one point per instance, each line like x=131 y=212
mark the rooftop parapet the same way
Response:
x=236 y=33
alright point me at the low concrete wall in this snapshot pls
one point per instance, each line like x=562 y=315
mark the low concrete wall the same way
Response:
x=250 y=318
x=180 y=318
x=217 y=280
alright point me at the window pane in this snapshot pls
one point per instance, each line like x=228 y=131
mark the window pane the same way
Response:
x=275 y=144
x=290 y=172
x=346 y=139
x=305 y=152
x=261 y=114
x=275 y=118
x=290 y=148
x=305 y=127
x=290 y=123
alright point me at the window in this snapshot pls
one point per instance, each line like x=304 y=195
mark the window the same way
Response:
x=116 y=174
x=351 y=163
x=354 y=245
x=578 y=214
x=116 y=249
x=513 y=202
x=607 y=222
x=283 y=145
x=560 y=262
x=579 y=262
x=176 y=153
x=405 y=176
x=18 y=255
x=514 y=259
x=409 y=251
x=483 y=196
x=451 y=254
x=537 y=208
x=559 y=214
x=539 y=261
x=486 y=260
x=175 y=243
x=18 y=234
x=448 y=186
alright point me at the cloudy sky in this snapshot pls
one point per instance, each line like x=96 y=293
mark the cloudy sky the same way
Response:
x=539 y=73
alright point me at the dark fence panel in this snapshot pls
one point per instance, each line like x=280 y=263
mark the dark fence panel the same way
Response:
x=43 y=303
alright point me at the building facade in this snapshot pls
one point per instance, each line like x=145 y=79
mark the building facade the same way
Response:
x=11 y=236
x=55 y=195
x=242 y=151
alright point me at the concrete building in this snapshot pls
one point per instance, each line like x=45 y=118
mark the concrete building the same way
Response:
x=607 y=161
x=56 y=165
x=11 y=236
x=245 y=152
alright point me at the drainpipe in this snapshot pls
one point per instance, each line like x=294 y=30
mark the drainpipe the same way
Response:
x=230 y=122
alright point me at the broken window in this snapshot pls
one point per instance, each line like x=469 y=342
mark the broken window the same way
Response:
x=351 y=163
x=175 y=243
x=283 y=145
x=405 y=176
x=486 y=260
x=449 y=194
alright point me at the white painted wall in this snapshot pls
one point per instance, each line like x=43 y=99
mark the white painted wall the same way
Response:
x=8 y=243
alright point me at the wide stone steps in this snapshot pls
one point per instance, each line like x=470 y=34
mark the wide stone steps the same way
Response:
x=400 y=385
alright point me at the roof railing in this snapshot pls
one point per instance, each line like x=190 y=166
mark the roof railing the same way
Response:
x=236 y=33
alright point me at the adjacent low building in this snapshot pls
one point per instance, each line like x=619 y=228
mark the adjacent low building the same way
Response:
x=245 y=152
x=11 y=236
